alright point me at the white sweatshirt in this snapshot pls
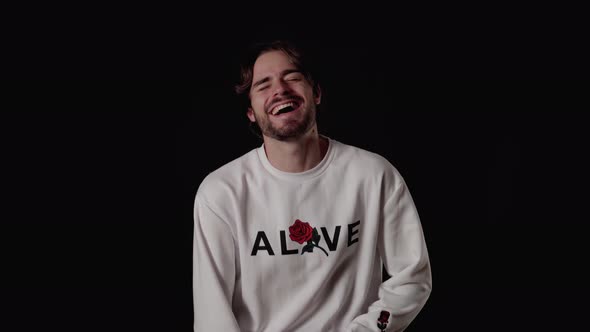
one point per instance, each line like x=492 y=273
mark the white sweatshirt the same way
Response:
x=277 y=251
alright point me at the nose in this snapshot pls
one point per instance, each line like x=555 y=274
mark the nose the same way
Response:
x=281 y=88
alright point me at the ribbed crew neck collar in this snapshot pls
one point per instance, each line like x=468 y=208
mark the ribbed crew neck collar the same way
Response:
x=301 y=176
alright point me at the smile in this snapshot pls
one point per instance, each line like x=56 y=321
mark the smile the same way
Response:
x=284 y=108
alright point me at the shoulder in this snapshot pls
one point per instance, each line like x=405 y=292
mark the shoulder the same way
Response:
x=368 y=167
x=222 y=181
x=369 y=163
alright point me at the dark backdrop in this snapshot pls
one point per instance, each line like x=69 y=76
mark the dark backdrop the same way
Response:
x=101 y=191
x=100 y=175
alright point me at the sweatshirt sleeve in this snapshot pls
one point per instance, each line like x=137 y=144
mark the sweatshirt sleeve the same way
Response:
x=214 y=270
x=403 y=251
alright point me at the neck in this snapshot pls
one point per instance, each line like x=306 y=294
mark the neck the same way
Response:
x=298 y=155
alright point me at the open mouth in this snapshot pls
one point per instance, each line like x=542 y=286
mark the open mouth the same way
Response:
x=284 y=108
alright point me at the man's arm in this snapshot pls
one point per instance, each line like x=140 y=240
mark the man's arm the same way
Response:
x=214 y=271
x=403 y=251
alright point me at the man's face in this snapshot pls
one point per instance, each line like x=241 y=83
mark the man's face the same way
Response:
x=281 y=99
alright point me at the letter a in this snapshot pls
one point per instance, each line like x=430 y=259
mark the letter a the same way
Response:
x=261 y=236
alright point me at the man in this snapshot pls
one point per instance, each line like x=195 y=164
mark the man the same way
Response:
x=292 y=235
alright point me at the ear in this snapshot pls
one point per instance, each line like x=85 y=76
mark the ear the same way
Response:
x=250 y=114
x=317 y=94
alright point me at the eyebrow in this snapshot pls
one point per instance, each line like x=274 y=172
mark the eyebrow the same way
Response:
x=283 y=73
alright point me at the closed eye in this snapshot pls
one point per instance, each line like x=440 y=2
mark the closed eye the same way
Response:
x=294 y=77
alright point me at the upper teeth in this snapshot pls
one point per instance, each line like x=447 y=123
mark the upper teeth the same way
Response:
x=280 y=107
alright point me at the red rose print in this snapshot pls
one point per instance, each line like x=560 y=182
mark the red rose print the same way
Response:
x=383 y=320
x=300 y=232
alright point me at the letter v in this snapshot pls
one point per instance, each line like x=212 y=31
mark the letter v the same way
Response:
x=331 y=243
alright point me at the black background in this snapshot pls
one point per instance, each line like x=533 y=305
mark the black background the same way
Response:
x=100 y=170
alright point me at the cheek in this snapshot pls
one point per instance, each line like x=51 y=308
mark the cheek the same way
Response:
x=307 y=92
x=257 y=104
